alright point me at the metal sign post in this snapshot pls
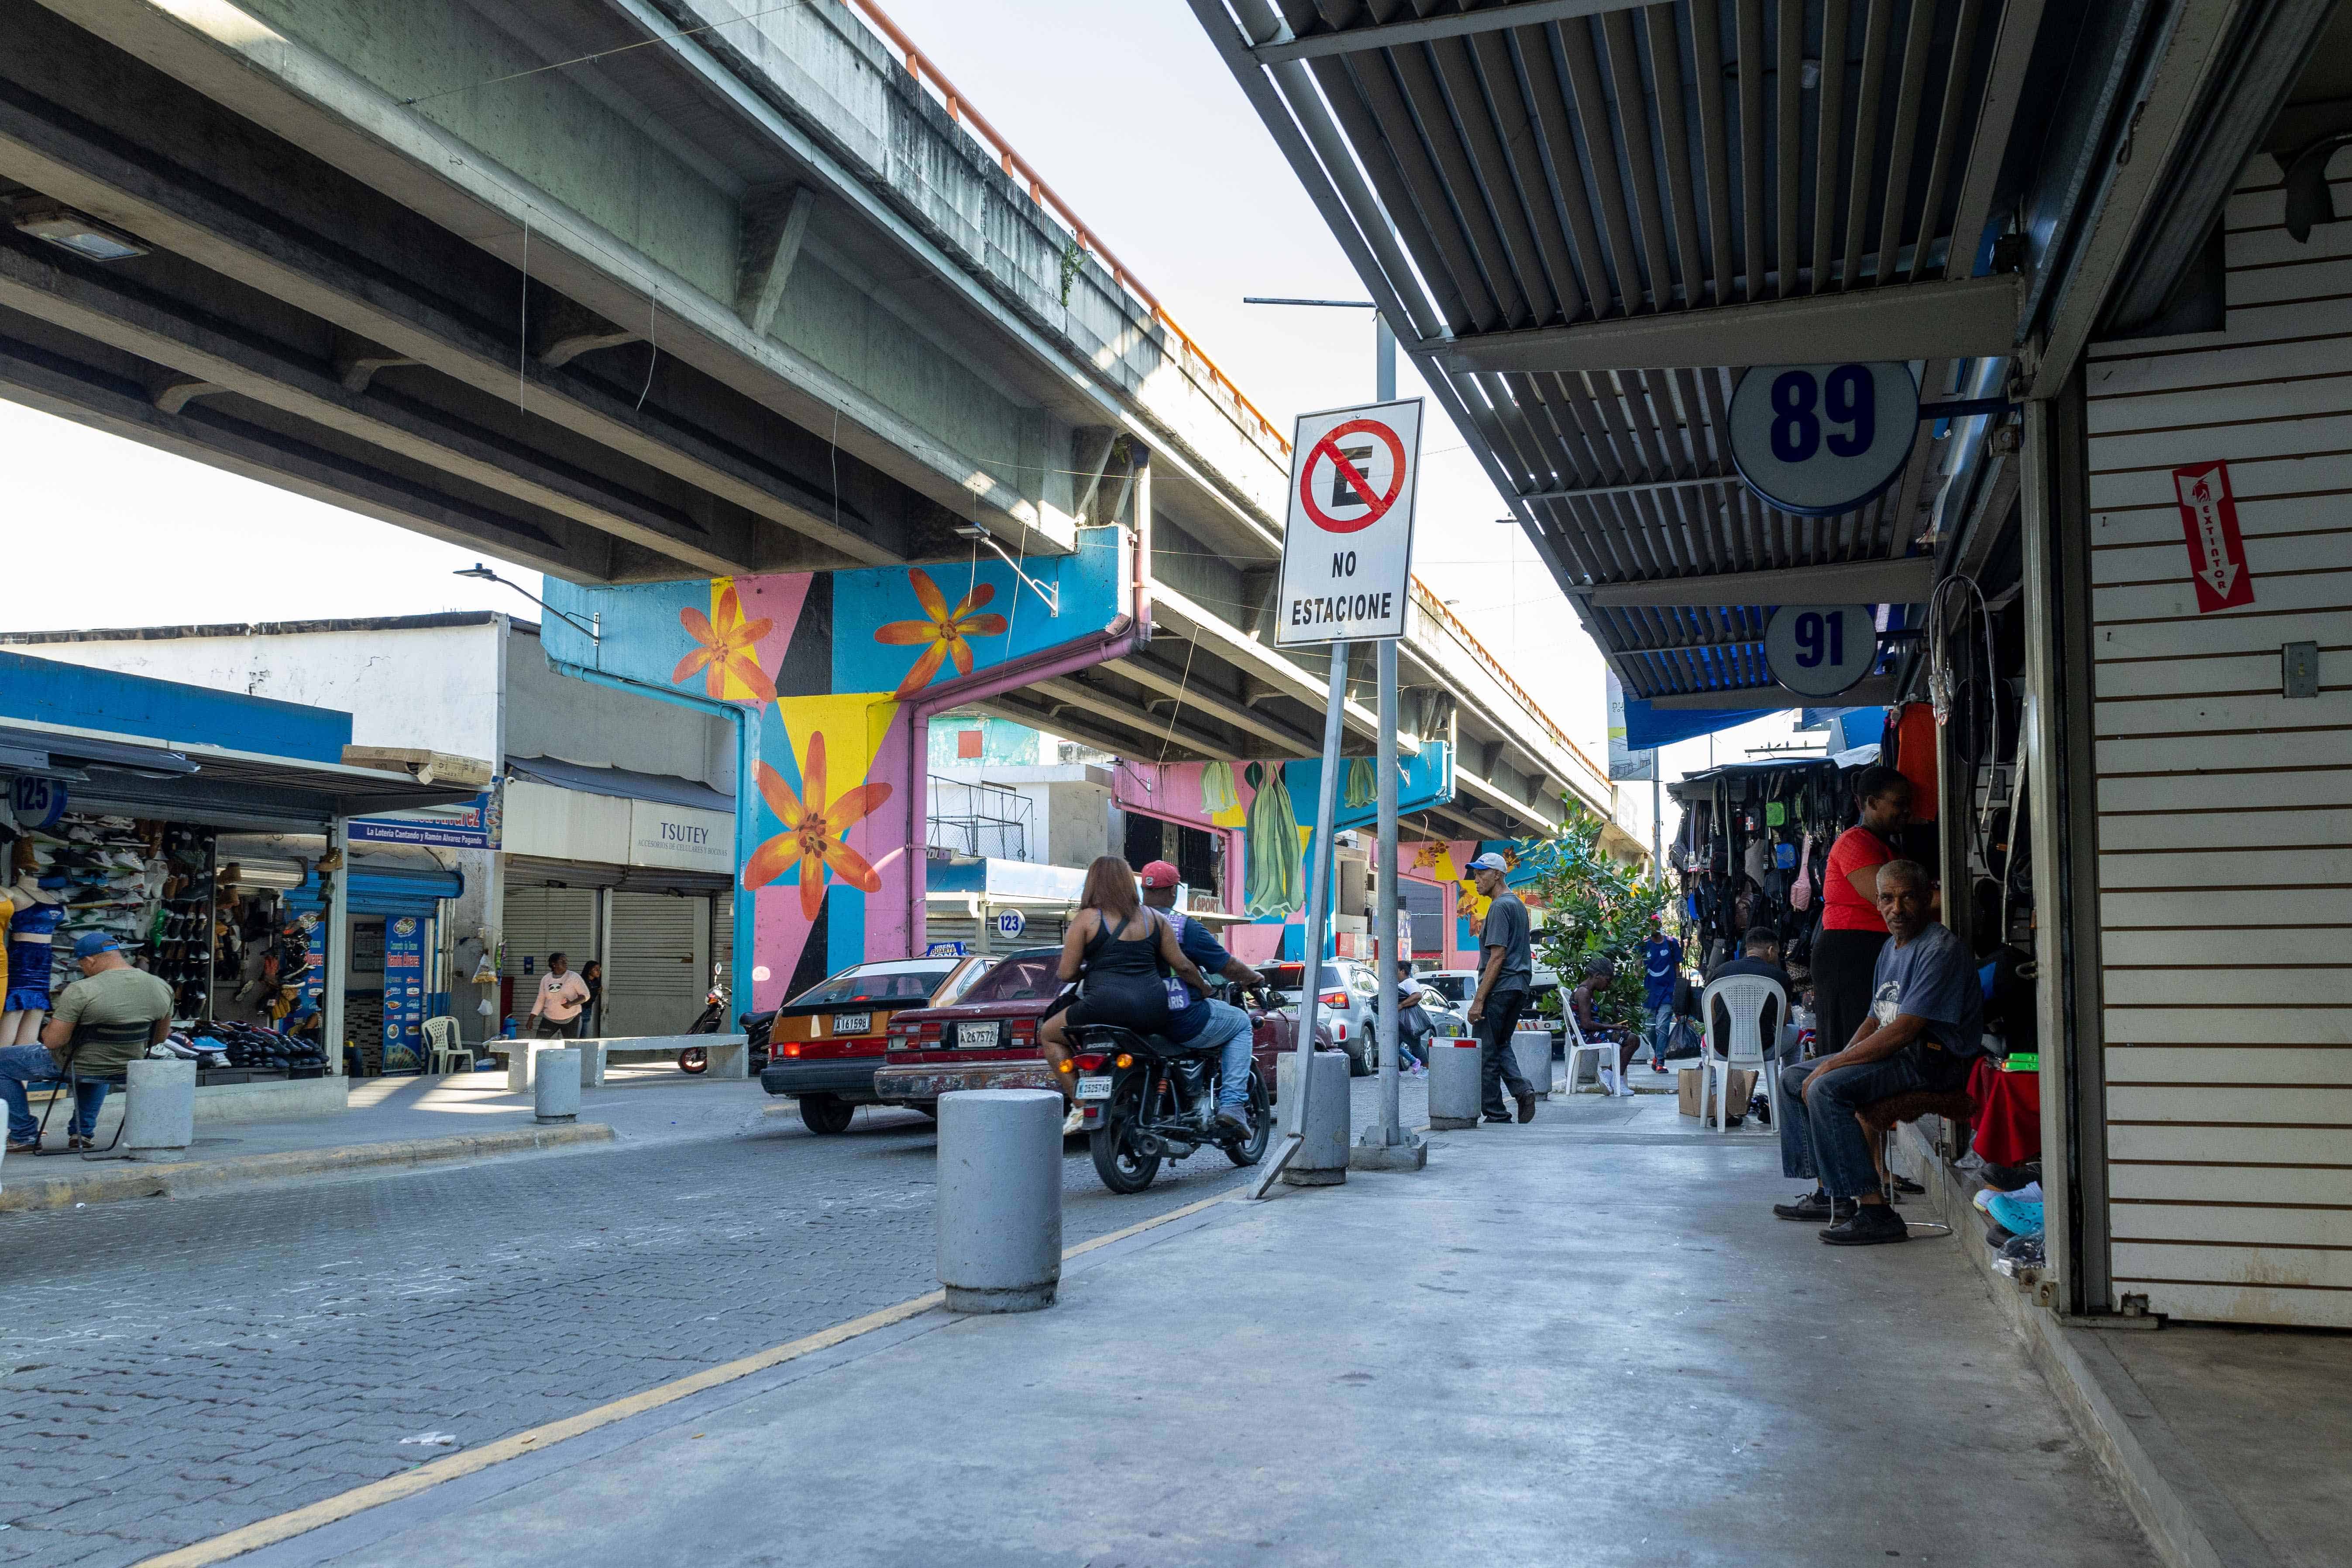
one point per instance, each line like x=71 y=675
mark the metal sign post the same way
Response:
x=1347 y=565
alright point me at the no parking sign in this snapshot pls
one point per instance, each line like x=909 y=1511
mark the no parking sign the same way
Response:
x=1347 y=553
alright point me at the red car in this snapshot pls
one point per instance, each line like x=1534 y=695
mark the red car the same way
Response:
x=988 y=1039
x=824 y=1044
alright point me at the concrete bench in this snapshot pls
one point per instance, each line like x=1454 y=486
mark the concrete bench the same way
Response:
x=730 y=1055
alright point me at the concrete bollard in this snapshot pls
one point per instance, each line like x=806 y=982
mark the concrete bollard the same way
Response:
x=1322 y=1160
x=1533 y=1048
x=999 y=1199
x=1453 y=1086
x=555 y=1085
x=160 y=1122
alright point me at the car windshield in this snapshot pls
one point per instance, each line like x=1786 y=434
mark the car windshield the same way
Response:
x=1026 y=979
x=1284 y=976
x=868 y=984
x=1452 y=987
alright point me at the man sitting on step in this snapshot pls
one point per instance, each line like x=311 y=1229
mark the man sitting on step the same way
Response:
x=1923 y=1030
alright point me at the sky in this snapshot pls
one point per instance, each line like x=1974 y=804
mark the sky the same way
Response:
x=1190 y=192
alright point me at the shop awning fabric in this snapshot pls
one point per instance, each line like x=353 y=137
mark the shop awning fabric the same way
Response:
x=138 y=774
x=663 y=788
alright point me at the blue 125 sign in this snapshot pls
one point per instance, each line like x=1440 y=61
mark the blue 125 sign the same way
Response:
x=1821 y=440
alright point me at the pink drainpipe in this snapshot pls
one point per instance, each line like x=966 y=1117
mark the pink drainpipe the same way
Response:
x=1115 y=640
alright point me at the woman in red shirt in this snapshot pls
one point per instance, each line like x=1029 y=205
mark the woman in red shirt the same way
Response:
x=1845 y=953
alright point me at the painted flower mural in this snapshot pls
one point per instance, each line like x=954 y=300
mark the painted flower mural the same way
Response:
x=725 y=648
x=812 y=839
x=943 y=634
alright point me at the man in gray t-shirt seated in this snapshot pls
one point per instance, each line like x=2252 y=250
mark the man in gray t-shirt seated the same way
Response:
x=1925 y=1027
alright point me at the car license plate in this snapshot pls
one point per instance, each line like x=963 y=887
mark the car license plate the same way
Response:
x=1094 y=1089
x=852 y=1023
x=977 y=1036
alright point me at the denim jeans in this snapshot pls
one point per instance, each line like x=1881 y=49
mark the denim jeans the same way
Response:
x=1659 y=1023
x=1818 y=1135
x=1498 y=1064
x=23 y=1064
x=1230 y=1026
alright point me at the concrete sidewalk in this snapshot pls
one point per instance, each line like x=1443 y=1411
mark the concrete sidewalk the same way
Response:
x=393 y=1122
x=1583 y=1341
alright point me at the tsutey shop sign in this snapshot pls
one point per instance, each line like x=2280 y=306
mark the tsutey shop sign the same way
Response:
x=2216 y=552
x=1347 y=555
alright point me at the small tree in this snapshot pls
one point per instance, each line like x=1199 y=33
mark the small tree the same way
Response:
x=1597 y=907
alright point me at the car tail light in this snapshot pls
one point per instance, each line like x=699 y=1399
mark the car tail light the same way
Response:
x=1339 y=1031
x=1334 y=998
x=927 y=1033
x=792 y=1049
x=1024 y=1034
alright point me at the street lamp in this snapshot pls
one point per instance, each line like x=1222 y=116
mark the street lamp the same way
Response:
x=594 y=628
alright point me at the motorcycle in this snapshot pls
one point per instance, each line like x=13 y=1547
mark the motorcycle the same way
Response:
x=756 y=1027
x=1146 y=1099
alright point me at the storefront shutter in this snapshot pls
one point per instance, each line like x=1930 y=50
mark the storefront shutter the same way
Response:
x=540 y=921
x=658 y=969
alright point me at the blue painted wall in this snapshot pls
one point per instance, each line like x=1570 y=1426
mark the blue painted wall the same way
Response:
x=48 y=692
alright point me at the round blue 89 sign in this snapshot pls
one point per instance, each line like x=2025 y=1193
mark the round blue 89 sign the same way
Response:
x=1821 y=440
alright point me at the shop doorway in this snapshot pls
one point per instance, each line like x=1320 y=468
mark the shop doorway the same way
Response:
x=657 y=961
x=1198 y=855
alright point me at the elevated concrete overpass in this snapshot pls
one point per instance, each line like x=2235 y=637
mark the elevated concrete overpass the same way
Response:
x=741 y=291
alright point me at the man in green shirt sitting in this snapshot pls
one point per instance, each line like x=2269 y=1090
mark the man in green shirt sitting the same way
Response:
x=109 y=1007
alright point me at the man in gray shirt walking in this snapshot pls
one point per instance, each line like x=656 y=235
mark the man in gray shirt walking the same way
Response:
x=1507 y=973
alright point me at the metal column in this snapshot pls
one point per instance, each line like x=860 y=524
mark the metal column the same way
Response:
x=2064 y=824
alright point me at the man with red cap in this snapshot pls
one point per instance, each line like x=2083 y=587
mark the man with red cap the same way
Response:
x=1206 y=1023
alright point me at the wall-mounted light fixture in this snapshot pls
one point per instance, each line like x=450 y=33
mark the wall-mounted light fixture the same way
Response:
x=79 y=232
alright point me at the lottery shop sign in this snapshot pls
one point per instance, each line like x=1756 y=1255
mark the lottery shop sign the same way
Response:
x=1347 y=553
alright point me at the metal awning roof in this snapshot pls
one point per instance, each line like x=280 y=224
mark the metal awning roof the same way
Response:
x=164 y=775
x=1585 y=217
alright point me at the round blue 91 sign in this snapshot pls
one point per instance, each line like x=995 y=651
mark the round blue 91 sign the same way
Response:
x=1821 y=440
x=1820 y=650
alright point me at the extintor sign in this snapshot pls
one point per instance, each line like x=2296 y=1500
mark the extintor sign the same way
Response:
x=2217 y=551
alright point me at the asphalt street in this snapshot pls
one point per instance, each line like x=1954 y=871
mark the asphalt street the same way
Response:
x=170 y=1368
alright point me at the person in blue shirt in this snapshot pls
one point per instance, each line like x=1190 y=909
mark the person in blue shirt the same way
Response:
x=1208 y=1023
x=1661 y=965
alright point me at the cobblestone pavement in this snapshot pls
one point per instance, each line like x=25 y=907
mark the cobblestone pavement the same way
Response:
x=175 y=1368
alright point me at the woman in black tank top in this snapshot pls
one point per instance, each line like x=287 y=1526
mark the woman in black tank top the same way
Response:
x=1118 y=953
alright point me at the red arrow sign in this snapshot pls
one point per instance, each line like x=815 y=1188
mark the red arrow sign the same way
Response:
x=2217 y=553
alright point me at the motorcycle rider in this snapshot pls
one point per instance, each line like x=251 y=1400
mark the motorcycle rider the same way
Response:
x=1210 y=1025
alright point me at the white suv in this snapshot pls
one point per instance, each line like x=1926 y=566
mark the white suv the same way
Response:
x=1347 y=1008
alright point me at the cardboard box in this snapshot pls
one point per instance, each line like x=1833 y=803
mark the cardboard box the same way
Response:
x=1689 y=1084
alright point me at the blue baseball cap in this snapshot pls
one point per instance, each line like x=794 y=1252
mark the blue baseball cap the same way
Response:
x=93 y=943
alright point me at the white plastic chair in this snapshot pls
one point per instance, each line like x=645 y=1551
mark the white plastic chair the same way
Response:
x=1743 y=997
x=1603 y=1053
x=443 y=1048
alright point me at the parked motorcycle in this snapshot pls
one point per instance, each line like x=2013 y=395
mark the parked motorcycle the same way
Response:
x=1145 y=1099
x=756 y=1027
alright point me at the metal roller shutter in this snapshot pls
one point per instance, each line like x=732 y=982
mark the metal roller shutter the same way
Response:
x=723 y=928
x=540 y=921
x=658 y=968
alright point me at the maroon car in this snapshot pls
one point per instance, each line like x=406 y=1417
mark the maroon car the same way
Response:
x=988 y=1039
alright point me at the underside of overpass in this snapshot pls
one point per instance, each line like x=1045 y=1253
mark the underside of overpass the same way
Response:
x=733 y=296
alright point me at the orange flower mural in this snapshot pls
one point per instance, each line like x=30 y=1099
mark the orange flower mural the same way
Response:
x=945 y=631
x=813 y=829
x=728 y=645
